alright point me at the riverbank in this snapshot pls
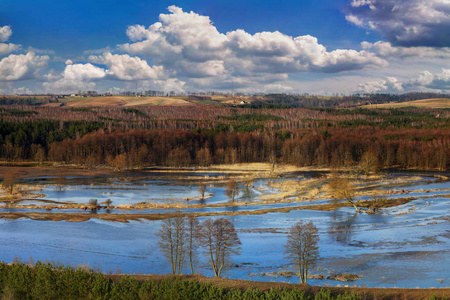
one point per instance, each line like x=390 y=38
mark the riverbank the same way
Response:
x=244 y=285
x=282 y=189
x=48 y=281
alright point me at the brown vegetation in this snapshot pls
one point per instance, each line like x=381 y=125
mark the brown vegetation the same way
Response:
x=426 y=103
x=126 y=101
x=366 y=293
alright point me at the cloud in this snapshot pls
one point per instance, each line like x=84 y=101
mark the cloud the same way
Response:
x=52 y=75
x=18 y=67
x=5 y=33
x=170 y=84
x=277 y=52
x=425 y=81
x=385 y=49
x=187 y=45
x=8 y=48
x=22 y=91
x=83 y=72
x=277 y=88
x=118 y=67
x=41 y=51
x=391 y=84
x=125 y=67
x=406 y=23
x=74 y=77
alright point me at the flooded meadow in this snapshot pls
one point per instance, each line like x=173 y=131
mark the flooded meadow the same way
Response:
x=405 y=245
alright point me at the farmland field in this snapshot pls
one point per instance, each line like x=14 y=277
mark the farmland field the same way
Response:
x=426 y=103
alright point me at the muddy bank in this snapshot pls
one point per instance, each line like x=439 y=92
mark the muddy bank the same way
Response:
x=80 y=217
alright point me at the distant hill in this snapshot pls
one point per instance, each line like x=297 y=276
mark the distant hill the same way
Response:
x=432 y=103
x=149 y=101
x=124 y=101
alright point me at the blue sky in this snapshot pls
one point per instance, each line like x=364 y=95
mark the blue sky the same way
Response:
x=321 y=47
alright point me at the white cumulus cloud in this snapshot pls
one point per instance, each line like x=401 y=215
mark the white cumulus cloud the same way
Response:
x=188 y=45
x=22 y=66
x=404 y=22
x=6 y=48
x=425 y=81
x=74 y=77
x=125 y=67
x=5 y=33
x=22 y=91
x=385 y=49
x=391 y=84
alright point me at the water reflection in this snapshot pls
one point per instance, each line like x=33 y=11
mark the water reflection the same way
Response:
x=341 y=230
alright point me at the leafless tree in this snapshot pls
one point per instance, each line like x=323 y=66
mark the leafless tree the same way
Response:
x=232 y=189
x=369 y=163
x=302 y=247
x=172 y=241
x=220 y=241
x=192 y=226
x=108 y=203
x=60 y=182
x=202 y=189
x=342 y=189
x=119 y=163
x=9 y=181
x=93 y=203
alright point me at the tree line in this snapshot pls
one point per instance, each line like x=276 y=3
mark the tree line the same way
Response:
x=286 y=100
x=341 y=147
x=200 y=136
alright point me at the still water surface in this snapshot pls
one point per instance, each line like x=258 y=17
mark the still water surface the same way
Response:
x=405 y=246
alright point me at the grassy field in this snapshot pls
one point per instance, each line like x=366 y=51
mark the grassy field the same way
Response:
x=432 y=103
x=147 y=101
x=124 y=101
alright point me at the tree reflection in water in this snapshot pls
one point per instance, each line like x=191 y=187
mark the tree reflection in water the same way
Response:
x=341 y=230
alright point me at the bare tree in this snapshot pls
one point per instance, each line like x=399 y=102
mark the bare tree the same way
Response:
x=343 y=189
x=60 y=182
x=232 y=189
x=220 y=240
x=302 y=247
x=369 y=163
x=120 y=162
x=108 y=203
x=9 y=181
x=93 y=203
x=172 y=242
x=202 y=189
x=192 y=226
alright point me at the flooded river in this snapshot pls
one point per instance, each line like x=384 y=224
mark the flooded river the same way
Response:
x=403 y=246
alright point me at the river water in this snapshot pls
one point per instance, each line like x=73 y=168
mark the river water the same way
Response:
x=404 y=246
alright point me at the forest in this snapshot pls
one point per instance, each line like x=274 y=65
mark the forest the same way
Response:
x=204 y=135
